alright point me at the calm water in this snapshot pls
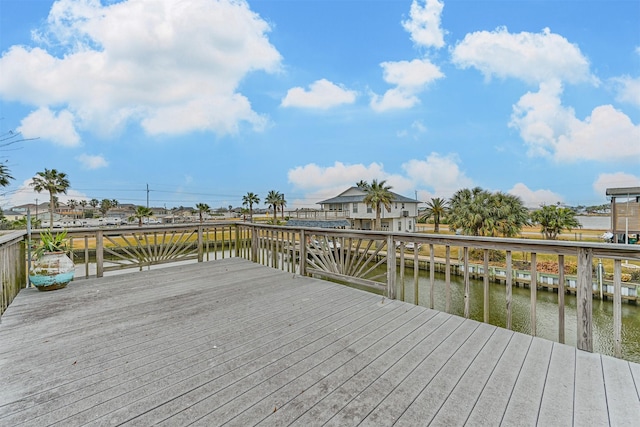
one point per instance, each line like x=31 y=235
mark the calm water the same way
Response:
x=546 y=310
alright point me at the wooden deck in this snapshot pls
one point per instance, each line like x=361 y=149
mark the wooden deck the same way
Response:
x=230 y=342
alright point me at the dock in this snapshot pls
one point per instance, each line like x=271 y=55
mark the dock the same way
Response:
x=231 y=342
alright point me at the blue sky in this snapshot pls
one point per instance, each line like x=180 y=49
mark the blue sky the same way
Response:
x=205 y=100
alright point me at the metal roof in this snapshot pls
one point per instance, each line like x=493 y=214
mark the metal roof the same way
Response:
x=624 y=192
x=358 y=198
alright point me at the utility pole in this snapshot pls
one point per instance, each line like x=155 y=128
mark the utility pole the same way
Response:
x=147 y=196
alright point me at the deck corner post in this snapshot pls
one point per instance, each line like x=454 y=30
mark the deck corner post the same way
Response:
x=391 y=268
x=303 y=252
x=99 y=253
x=584 y=298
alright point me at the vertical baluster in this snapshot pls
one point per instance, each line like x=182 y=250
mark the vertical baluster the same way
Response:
x=561 y=292
x=432 y=276
x=86 y=256
x=466 y=282
x=447 y=279
x=416 y=276
x=402 y=278
x=533 y=287
x=200 y=244
x=391 y=268
x=485 y=282
x=509 y=284
x=617 y=308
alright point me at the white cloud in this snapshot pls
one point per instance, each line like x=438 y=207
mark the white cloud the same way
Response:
x=44 y=123
x=628 y=90
x=25 y=195
x=322 y=94
x=550 y=129
x=424 y=23
x=440 y=173
x=313 y=177
x=92 y=162
x=410 y=78
x=531 y=57
x=614 y=180
x=171 y=66
x=535 y=198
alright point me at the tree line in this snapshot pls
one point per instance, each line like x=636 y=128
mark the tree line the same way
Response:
x=478 y=212
x=473 y=212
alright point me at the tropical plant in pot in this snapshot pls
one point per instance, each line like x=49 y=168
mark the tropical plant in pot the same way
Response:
x=52 y=268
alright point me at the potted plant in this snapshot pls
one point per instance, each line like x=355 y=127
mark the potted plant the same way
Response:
x=52 y=268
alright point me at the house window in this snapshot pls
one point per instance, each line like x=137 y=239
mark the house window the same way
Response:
x=403 y=206
x=369 y=209
x=410 y=222
x=355 y=208
x=399 y=225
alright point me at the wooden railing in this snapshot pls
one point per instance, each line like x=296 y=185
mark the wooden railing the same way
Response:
x=380 y=261
x=363 y=258
x=13 y=270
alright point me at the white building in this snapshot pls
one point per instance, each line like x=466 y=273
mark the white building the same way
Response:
x=350 y=205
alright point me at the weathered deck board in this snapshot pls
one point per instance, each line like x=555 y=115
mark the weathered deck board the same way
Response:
x=232 y=342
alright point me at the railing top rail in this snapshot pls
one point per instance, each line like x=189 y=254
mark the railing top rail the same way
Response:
x=559 y=247
x=146 y=228
x=12 y=237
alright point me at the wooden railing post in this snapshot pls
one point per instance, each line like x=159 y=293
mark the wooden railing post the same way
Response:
x=200 y=244
x=391 y=267
x=584 y=293
x=237 y=231
x=254 y=244
x=99 y=254
x=303 y=253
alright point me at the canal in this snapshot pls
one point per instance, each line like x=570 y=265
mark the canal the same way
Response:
x=546 y=311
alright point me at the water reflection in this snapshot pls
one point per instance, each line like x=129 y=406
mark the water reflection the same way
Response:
x=546 y=311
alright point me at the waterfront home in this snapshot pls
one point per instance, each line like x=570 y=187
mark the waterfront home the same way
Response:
x=402 y=216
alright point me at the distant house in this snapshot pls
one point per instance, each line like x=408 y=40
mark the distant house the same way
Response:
x=350 y=205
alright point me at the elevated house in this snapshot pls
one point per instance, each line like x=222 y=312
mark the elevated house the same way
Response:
x=625 y=214
x=348 y=210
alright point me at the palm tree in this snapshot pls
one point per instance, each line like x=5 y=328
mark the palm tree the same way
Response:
x=105 y=205
x=72 y=203
x=554 y=220
x=282 y=203
x=83 y=203
x=5 y=176
x=140 y=213
x=94 y=203
x=362 y=184
x=468 y=210
x=378 y=195
x=273 y=200
x=250 y=199
x=54 y=182
x=436 y=209
x=508 y=215
x=202 y=208
x=114 y=203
